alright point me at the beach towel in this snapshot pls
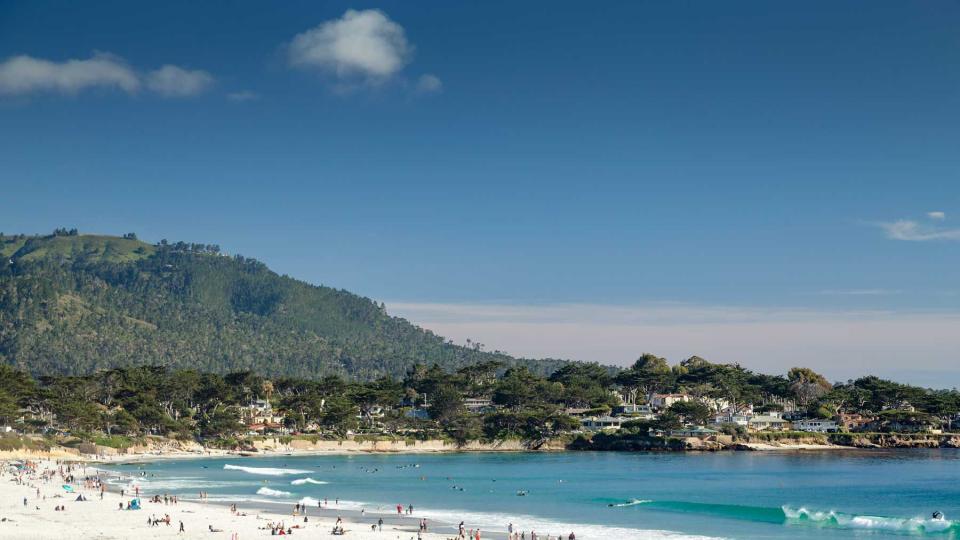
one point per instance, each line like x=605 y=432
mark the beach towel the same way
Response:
x=68 y=488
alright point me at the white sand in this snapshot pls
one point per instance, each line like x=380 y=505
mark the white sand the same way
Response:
x=101 y=519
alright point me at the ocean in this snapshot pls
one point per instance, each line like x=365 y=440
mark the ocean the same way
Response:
x=749 y=495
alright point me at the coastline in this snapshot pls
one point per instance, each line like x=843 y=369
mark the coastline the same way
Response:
x=168 y=451
x=27 y=512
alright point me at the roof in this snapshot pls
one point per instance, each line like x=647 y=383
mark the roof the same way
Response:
x=768 y=418
x=697 y=429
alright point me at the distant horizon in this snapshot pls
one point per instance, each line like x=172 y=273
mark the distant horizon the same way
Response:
x=748 y=182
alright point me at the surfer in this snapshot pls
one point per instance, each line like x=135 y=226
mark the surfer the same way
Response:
x=938 y=515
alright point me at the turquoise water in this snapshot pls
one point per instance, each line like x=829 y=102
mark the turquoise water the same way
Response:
x=751 y=495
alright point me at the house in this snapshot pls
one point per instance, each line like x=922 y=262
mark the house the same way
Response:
x=738 y=419
x=768 y=422
x=696 y=431
x=259 y=411
x=815 y=425
x=478 y=405
x=718 y=405
x=260 y=429
x=854 y=421
x=664 y=401
x=602 y=423
x=904 y=406
x=643 y=412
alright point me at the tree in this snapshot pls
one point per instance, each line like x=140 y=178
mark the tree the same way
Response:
x=807 y=385
x=649 y=374
x=691 y=412
x=339 y=415
x=8 y=408
x=446 y=404
x=220 y=422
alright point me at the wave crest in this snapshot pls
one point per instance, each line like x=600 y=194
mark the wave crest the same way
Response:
x=302 y=481
x=267 y=471
x=272 y=492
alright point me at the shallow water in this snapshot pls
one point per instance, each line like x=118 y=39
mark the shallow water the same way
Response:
x=750 y=495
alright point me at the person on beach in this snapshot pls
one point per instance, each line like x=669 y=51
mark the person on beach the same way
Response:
x=380 y=524
x=181 y=527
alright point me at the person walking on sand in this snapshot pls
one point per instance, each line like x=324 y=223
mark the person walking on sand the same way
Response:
x=181 y=527
x=380 y=524
x=476 y=535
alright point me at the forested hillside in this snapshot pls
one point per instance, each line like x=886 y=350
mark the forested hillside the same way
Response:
x=73 y=304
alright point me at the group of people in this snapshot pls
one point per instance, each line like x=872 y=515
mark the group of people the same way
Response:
x=166 y=499
x=513 y=534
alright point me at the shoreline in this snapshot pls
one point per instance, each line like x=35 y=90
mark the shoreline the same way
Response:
x=27 y=511
x=166 y=449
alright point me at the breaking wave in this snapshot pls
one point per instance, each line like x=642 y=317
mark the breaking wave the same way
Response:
x=800 y=516
x=302 y=481
x=272 y=492
x=267 y=471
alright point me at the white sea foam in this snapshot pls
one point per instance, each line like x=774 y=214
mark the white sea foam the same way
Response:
x=877 y=523
x=633 y=502
x=544 y=526
x=272 y=492
x=334 y=504
x=267 y=471
x=302 y=481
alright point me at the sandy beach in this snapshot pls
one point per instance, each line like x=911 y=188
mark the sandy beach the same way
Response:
x=28 y=500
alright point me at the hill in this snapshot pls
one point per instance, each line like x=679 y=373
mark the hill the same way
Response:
x=74 y=304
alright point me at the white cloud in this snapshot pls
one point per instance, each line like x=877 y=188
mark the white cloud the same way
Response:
x=364 y=44
x=26 y=74
x=21 y=75
x=911 y=231
x=429 y=84
x=243 y=96
x=939 y=216
x=908 y=346
x=174 y=81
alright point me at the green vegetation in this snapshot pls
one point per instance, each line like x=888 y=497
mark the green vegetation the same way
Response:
x=112 y=340
x=74 y=304
x=121 y=407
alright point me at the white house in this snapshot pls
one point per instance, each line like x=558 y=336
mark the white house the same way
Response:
x=642 y=412
x=663 y=401
x=815 y=425
x=696 y=431
x=601 y=423
x=738 y=419
x=478 y=405
x=768 y=422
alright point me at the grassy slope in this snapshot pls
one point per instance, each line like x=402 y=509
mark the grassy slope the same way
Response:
x=195 y=310
x=106 y=248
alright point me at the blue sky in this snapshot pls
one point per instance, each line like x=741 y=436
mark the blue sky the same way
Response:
x=553 y=179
